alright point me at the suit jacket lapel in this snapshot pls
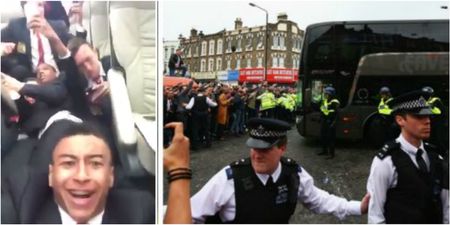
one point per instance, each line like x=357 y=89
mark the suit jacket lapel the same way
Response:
x=49 y=213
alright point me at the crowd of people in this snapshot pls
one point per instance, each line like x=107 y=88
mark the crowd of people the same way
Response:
x=211 y=110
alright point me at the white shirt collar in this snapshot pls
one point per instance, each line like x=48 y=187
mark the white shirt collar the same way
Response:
x=67 y=219
x=275 y=175
x=408 y=147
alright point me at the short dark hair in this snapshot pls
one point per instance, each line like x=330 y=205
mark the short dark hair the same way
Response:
x=82 y=129
x=75 y=43
x=282 y=141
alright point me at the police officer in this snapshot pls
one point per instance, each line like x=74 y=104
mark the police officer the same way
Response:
x=328 y=108
x=268 y=103
x=387 y=128
x=383 y=108
x=200 y=108
x=439 y=132
x=406 y=181
x=266 y=187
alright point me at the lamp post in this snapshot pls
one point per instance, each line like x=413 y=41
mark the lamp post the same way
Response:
x=266 y=38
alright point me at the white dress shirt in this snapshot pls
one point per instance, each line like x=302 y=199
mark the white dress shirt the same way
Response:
x=218 y=196
x=68 y=220
x=191 y=103
x=48 y=55
x=383 y=176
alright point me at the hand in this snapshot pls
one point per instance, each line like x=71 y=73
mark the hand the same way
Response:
x=40 y=24
x=76 y=12
x=177 y=154
x=7 y=48
x=11 y=83
x=98 y=92
x=365 y=203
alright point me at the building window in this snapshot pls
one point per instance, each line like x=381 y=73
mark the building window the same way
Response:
x=238 y=63
x=211 y=65
x=228 y=64
x=275 y=41
x=229 y=45
x=196 y=51
x=249 y=62
x=260 y=60
x=281 y=61
x=166 y=53
x=281 y=41
x=238 y=45
x=274 y=61
x=203 y=65
x=204 y=46
x=172 y=50
x=219 y=64
x=219 y=46
x=211 y=47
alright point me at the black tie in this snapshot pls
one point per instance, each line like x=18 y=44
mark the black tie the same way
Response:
x=269 y=182
x=421 y=162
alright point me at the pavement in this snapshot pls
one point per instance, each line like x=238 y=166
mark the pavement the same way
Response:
x=345 y=175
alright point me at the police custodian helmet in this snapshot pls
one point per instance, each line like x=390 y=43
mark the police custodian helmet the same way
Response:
x=265 y=132
x=411 y=103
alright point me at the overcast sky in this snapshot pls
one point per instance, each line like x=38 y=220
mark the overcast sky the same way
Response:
x=178 y=17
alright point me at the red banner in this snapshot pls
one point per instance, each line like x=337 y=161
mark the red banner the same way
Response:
x=281 y=75
x=251 y=75
x=274 y=75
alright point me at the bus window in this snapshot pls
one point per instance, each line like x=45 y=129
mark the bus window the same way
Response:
x=317 y=87
x=320 y=50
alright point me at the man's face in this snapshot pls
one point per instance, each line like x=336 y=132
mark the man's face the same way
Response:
x=415 y=126
x=45 y=73
x=87 y=62
x=265 y=161
x=81 y=175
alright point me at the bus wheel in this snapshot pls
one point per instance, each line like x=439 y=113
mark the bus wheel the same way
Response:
x=376 y=132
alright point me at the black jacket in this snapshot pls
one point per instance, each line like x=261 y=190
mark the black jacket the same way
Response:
x=173 y=61
x=17 y=32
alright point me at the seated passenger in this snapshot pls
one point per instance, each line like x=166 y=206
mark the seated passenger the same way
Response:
x=40 y=99
x=78 y=187
x=31 y=47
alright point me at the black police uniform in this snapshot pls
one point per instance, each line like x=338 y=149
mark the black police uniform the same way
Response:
x=416 y=196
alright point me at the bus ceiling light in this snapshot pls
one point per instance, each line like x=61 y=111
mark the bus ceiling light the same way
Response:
x=346 y=131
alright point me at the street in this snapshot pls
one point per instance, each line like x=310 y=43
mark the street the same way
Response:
x=345 y=175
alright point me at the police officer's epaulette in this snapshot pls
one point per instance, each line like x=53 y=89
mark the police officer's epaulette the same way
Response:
x=241 y=162
x=387 y=149
x=290 y=162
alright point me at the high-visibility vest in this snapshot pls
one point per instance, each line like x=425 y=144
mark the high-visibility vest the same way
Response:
x=435 y=110
x=268 y=101
x=326 y=104
x=383 y=107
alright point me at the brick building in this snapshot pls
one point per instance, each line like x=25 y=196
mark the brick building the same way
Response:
x=209 y=55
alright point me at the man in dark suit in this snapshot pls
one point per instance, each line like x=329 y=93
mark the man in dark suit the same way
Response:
x=31 y=47
x=41 y=100
x=78 y=185
x=176 y=63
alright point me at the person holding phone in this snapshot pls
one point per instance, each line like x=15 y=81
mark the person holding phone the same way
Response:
x=31 y=47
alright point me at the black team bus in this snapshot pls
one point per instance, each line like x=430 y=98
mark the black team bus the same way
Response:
x=357 y=59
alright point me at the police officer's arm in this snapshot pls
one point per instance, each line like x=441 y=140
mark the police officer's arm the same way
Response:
x=381 y=178
x=190 y=104
x=217 y=195
x=320 y=201
x=210 y=102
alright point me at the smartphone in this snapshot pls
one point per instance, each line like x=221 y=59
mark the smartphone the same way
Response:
x=30 y=10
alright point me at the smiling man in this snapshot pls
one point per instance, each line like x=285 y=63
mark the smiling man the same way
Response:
x=81 y=176
x=266 y=187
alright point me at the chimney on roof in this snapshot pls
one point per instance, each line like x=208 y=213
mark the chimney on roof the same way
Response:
x=282 y=16
x=238 y=24
x=193 y=32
